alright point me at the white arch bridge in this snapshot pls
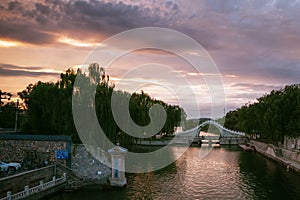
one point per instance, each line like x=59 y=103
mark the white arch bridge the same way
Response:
x=226 y=135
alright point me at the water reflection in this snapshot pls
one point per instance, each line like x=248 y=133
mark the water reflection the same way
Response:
x=269 y=180
x=225 y=173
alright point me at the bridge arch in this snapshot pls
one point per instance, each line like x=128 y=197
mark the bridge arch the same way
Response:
x=223 y=130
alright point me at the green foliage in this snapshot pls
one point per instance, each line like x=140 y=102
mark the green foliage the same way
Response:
x=49 y=106
x=7 y=115
x=140 y=104
x=192 y=123
x=274 y=115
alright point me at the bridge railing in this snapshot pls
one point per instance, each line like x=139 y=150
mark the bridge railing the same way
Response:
x=196 y=129
x=36 y=189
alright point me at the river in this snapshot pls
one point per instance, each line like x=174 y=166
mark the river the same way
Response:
x=225 y=173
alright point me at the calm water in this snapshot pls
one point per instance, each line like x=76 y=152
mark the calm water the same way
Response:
x=225 y=173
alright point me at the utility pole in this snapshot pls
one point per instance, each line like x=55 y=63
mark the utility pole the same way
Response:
x=16 y=121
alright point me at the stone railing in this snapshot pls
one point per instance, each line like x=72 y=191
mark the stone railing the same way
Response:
x=36 y=189
x=194 y=131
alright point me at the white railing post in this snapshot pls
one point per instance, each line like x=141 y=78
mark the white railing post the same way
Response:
x=64 y=176
x=8 y=195
x=26 y=190
x=41 y=185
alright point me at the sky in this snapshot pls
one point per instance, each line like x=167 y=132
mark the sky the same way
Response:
x=255 y=45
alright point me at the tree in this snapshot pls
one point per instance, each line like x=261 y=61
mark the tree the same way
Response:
x=274 y=116
x=7 y=115
x=49 y=106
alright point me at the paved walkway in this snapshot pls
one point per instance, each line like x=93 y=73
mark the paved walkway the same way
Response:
x=290 y=164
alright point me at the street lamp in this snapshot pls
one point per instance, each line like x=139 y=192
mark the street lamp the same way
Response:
x=16 y=121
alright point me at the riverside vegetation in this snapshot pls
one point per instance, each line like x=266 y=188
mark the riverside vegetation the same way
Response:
x=48 y=106
x=48 y=110
x=273 y=116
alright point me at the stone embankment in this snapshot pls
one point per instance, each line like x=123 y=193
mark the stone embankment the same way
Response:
x=85 y=164
x=91 y=164
x=289 y=158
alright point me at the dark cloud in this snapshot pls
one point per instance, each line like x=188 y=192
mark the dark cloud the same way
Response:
x=172 y=5
x=265 y=66
x=25 y=33
x=223 y=6
x=256 y=40
x=15 y=71
x=101 y=15
x=39 y=22
x=14 y=5
x=256 y=87
x=9 y=66
x=43 y=9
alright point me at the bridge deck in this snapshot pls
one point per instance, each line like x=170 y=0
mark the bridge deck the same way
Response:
x=223 y=130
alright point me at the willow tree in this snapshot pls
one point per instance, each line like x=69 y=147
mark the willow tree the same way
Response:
x=49 y=106
x=273 y=116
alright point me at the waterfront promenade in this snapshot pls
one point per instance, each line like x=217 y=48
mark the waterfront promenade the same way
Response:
x=276 y=154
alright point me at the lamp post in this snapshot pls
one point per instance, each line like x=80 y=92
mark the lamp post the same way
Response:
x=16 y=121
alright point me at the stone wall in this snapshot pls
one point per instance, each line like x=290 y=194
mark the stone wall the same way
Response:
x=288 y=154
x=94 y=167
x=291 y=155
x=15 y=148
x=233 y=140
x=260 y=145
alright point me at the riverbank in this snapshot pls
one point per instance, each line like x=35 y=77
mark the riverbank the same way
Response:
x=247 y=148
x=288 y=158
x=239 y=174
x=32 y=184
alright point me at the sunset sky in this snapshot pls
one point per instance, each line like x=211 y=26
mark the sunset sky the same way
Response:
x=255 y=44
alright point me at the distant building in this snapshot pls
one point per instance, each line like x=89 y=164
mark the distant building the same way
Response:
x=178 y=129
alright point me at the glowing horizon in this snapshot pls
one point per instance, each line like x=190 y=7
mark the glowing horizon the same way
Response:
x=254 y=44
